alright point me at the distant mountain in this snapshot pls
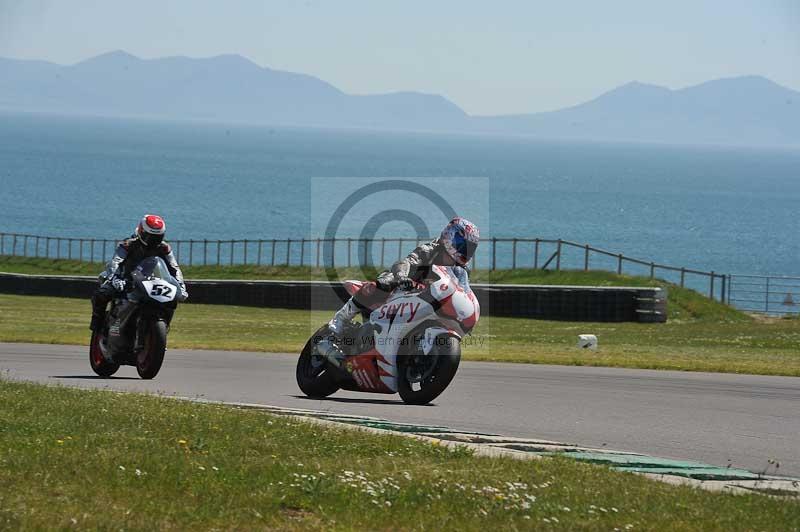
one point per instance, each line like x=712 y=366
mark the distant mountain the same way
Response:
x=746 y=110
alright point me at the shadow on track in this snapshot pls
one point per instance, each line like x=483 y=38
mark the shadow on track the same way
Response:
x=354 y=400
x=94 y=377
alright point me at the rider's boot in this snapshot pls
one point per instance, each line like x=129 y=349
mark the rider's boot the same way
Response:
x=329 y=347
x=97 y=323
x=343 y=317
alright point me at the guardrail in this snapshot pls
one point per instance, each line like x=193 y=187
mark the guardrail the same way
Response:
x=568 y=303
x=768 y=294
x=493 y=254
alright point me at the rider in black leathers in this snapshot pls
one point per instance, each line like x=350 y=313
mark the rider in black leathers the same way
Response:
x=146 y=241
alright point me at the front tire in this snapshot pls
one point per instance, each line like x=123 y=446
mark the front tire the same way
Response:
x=314 y=377
x=448 y=357
x=97 y=360
x=150 y=358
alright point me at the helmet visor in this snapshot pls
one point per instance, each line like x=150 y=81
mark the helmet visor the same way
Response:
x=149 y=239
x=465 y=248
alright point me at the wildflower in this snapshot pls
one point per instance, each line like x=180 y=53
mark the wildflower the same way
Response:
x=614 y=510
x=60 y=442
x=182 y=442
x=122 y=468
x=138 y=473
x=201 y=468
x=388 y=503
x=215 y=468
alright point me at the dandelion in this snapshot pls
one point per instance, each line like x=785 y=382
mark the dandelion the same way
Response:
x=182 y=442
x=138 y=473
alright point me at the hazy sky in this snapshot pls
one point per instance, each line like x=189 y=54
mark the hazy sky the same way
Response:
x=488 y=57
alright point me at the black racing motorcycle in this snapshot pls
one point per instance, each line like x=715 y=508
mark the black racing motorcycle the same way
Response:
x=135 y=329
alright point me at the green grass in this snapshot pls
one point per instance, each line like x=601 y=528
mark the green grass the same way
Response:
x=699 y=344
x=103 y=460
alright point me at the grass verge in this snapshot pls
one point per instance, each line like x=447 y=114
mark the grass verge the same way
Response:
x=699 y=344
x=102 y=460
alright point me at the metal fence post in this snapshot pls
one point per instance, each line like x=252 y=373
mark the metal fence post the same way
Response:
x=191 y=252
x=766 y=298
x=319 y=245
x=514 y=255
x=14 y=246
x=260 y=246
x=683 y=277
x=272 y=260
x=219 y=244
x=400 y=249
x=349 y=245
x=245 y=252
x=619 y=264
x=586 y=258
x=494 y=253
x=536 y=255
x=69 y=248
x=652 y=270
x=288 y=250
x=91 y=251
x=302 y=251
x=25 y=246
x=231 y=257
x=2 y=242
x=383 y=249
x=724 y=287
x=47 y=247
x=558 y=257
x=58 y=247
x=711 y=288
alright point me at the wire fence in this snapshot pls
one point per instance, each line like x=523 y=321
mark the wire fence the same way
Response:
x=493 y=254
x=767 y=294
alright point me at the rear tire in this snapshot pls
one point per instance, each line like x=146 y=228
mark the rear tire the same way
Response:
x=97 y=361
x=448 y=355
x=150 y=358
x=314 y=377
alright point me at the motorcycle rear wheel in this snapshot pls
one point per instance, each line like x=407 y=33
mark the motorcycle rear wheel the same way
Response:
x=150 y=358
x=97 y=360
x=314 y=377
x=448 y=356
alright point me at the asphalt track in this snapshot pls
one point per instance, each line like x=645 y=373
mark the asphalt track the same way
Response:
x=738 y=420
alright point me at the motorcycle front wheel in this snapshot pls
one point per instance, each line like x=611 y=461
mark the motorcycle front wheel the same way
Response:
x=422 y=378
x=150 y=358
x=314 y=377
x=97 y=360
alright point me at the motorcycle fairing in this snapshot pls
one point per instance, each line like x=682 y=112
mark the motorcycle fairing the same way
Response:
x=395 y=320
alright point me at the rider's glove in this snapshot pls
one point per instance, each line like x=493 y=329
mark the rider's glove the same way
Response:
x=184 y=295
x=118 y=284
x=405 y=283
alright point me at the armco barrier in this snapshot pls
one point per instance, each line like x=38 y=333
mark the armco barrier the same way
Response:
x=569 y=303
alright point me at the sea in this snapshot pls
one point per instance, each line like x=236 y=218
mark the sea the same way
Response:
x=727 y=209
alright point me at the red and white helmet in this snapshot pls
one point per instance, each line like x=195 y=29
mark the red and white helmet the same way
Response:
x=460 y=240
x=151 y=229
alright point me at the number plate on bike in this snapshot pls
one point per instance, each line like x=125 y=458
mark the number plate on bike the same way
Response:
x=160 y=291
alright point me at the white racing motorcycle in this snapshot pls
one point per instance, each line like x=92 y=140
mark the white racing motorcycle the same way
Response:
x=410 y=345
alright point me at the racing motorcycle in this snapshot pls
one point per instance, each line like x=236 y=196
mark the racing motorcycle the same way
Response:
x=410 y=345
x=135 y=329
